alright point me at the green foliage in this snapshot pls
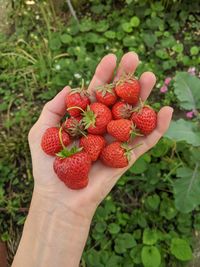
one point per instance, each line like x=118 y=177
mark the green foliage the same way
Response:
x=151 y=256
x=187 y=189
x=186 y=88
x=182 y=130
x=181 y=249
x=150 y=216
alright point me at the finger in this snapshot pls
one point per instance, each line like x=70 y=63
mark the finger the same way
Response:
x=147 y=81
x=128 y=64
x=104 y=72
x=163 y=121
x=54 y=110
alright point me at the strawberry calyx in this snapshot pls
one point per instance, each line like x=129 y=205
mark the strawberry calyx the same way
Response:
x=126 y=78
x=142 y=104
x=107 y=88
x=89 y=117
x=81 y=90
x=134 y=132
x=126 y=111
x=76 y=129
x=65 y=153
x=128 y=149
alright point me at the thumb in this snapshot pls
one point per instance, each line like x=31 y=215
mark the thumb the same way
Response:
x=54 y=110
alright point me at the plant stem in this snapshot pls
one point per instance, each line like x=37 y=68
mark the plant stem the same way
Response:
x=72 y=10
x=60 y=137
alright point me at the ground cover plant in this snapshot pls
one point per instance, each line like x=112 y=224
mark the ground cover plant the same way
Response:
x=152 y=217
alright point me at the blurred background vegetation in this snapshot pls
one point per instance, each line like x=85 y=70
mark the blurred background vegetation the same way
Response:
x=152 y=217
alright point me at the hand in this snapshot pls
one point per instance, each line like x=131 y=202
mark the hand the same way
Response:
x=101 y=178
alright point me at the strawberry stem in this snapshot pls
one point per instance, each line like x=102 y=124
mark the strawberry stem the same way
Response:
x=82 y=84
x=76 y=107
x=129 y=149
x=60 y=137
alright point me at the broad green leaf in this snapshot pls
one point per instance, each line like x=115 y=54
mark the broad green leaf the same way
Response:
x=161 y=148
x=93 y=258
x=139 y=166
x=153 y=201
x=149 y=39
x=162 y=53
x=187 y=90
x=135 y=21
x=124 y=242
x=129 y=41
x=135 y=254
x=167 y=209
x=178 y=48
x=113 y=261
x=151 y=256
x=110 y=34
x=181 y=249
x=150 y=236
x=55 y=43
x=187 y=189
x=113 y=228
x=66 y=38
x=100 y=227
x=101 y=26
x=182 y=130
x=127 y=27
x=194 y=50
x=86 y=25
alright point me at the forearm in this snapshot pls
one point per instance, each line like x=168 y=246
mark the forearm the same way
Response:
x=53 y=236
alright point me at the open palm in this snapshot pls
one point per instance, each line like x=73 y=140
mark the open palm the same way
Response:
x=101 y=178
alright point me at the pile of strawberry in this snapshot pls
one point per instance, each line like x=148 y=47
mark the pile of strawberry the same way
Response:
x=117 y=111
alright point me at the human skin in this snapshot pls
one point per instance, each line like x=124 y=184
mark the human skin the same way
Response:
x=58 y=222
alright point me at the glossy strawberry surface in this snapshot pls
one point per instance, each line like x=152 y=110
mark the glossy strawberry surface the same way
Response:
x=50 y=142
x=73 y=170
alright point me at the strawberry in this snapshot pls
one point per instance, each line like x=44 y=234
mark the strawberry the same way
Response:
x=51 y=143
x=72 y=167
x=121 y=110
x=96 y=118
x=92 y=145
x=78 y=97
x=128 y=88
x=116 y=155
x=74 y=126
x=145 y=119
x=122 y=129
x=106 y=94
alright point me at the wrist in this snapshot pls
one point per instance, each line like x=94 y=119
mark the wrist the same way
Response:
x=54 y=231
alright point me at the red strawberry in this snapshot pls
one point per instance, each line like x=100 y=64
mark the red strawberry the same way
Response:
x=92 y=145
x=96 y=118
x=78 y=97
x=122 y=129
x=145 y=120
x=72 y=168
x=51 y=143
x=121 y=110
x=128 y=88
x=74 y=126
x=106 y=94
x=116 y=155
